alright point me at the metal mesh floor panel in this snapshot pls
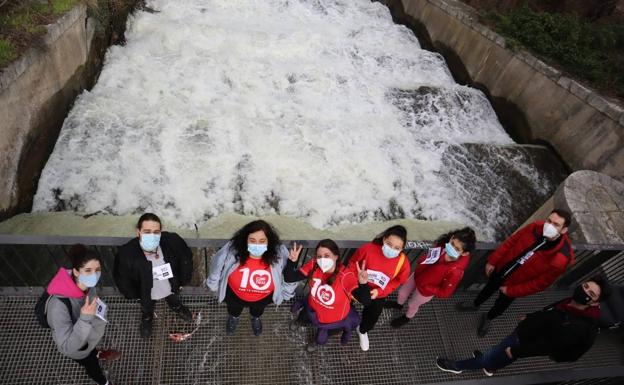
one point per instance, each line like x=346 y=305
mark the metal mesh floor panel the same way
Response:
x=404 y=356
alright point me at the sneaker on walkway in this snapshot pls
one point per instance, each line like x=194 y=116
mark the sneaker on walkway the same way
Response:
x=256 y=326
x=466 y=306
x=447 y=365
x=363 y=339
x=184 y=313
x=311 y=347
x=399 y=321
x=392 y=305
x=230 y=325
x=108 y=355
x=146 y=326
x=478 y=354
x=484 y=325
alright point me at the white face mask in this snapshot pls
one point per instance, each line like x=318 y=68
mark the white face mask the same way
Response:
x=550 y=231
x=325 y=264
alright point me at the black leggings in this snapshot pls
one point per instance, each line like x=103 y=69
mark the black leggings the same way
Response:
x=502 y=302
x=92 y=366
x=235 y=305
x=371 y=313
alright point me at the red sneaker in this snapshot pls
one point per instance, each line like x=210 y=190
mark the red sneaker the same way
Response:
x=108 y=355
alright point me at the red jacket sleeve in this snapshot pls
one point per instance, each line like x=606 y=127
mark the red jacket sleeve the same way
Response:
x=509 y=244
x=535 y=285
x=400 y=279
x=449 y=283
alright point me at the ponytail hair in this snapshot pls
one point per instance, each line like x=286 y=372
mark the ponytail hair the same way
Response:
x=79 y=255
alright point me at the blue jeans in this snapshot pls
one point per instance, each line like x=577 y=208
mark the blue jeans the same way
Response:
x=493 y=359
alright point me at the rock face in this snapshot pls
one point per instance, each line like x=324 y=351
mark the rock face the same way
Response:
x=37 y=91
x=535 y=102
x=596 y=202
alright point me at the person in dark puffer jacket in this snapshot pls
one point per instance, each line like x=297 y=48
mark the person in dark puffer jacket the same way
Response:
x=563 y=331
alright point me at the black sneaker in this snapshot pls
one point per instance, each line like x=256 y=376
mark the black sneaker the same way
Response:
x=466 y=306
x=311 y=347
x=230 y=325
x=478 y=354
x=256 y=326
x=399 y=321
x=392 y=305
x=184 y=313
x=484 y=325
x=146 y=326
x=447 y=365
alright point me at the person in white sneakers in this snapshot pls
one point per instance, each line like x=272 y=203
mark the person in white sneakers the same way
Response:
x=387 y=267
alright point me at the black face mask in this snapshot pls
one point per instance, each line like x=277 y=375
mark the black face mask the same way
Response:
x=580 y=296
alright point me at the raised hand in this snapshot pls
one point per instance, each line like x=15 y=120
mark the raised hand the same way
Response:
x=89 y=307
x=361 y=272
x=294 y=252
x=488 y=269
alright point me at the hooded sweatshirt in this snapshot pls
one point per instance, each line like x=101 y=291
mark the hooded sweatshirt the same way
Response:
x=72 y=340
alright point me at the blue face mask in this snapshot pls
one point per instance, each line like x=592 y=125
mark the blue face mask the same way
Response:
x=149 y=242
x=450 y=251
x=389 y=252
x=256 y=250
x=89 y=280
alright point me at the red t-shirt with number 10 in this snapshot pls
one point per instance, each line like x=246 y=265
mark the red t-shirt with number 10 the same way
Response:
x=330 y=303
x=252 y=281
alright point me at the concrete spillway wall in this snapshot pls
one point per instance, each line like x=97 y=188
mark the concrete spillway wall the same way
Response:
x=534 y=101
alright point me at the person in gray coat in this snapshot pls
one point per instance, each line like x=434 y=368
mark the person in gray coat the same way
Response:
x=76 y=334
x=247 y=272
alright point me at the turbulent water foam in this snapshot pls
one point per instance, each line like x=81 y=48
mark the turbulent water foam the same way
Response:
x=324 y=110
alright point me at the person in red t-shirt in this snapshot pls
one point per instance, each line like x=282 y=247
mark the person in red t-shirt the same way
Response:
x=247 y=272
x=387 y=267
x=332 y=286
x=438 y=273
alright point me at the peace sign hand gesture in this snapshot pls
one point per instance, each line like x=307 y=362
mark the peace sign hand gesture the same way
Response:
x=362 y=273
x=294 y=252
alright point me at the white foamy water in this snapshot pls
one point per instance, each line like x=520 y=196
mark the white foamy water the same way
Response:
x=324 y=110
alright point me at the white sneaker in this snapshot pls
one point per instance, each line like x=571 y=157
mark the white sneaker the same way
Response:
x=363 y=339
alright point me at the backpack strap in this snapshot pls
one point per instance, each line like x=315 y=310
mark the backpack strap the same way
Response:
x=69 y=308
x=399 y=265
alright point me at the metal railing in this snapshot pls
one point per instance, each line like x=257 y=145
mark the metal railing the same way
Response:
x=31 y=261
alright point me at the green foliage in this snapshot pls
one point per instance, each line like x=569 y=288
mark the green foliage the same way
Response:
x=62 y=6
x=7 y=52
x=590 y=51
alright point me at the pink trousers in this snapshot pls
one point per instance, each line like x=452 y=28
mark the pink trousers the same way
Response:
x=416 y=299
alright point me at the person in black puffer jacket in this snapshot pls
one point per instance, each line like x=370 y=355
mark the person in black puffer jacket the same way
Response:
x=153 y=266
x=563 y=331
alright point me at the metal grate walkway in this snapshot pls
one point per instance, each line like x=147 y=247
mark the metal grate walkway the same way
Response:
x=404 y=356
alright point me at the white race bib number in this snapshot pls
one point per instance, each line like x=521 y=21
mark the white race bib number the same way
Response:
x=525 y=258
x=258 y=280
x=100 y=309
x=432 y=256
x=378 y=278
x=160 y=273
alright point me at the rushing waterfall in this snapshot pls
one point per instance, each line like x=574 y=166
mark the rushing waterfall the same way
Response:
x=323 y=110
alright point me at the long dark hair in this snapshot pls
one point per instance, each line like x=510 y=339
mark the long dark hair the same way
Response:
x=333 y=247
x=238 y=243
x=79 y=255
x=465 y=235
x=397 y=230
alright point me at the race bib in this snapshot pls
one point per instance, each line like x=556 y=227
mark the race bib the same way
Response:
x=526 y=257
x=100 y=309
x=432 y=256
x=160 y=273
x=378 y=278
